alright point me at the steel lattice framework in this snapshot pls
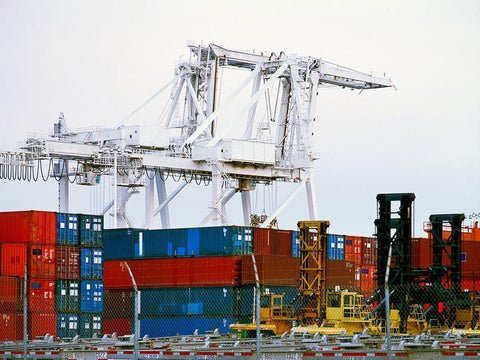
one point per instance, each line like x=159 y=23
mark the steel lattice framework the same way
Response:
x=193 y=139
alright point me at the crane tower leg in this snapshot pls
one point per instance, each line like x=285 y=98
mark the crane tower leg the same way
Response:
x=149 y=199
x=162 y=196
x=311 y=197
x=63 y=188
x=247 y=207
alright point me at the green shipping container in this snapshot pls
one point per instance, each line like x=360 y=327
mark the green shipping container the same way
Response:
x=67 y=296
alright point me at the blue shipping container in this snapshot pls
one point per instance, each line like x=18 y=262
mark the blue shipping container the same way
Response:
x=295 y=244
x=67 y=229
x=91 y=324
x=336 y=247
x=225 y=240
x=122 y=244
x=91 y=263
x=67 y=295
x=186 y=325
x=218 y=301
x=188 y=301
x=67 y=325
x=91 y=230
x=91 y=300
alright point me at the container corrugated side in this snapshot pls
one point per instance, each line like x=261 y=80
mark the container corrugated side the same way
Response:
x=189 y=301
x=175 y=272
x=67 y=229
x=278 y=270
x=91 y=296
x=118 y=303
x=272 y=242
x=67 y=262
x=122 y=244
x=121 y=326
x=36 y=227
x=340 y=273
x=11 y=294
x=11 y=326
x=91 y=230
x=67 y=295
x=162 y=243
x=13 y=258
x=40 y=324
x=369 y=251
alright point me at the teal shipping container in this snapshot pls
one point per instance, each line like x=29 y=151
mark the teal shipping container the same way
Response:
x=91 y=324
x=67 y=295
x=205 y=301
x=123 y=244
x=91 y=230
x=67 y=325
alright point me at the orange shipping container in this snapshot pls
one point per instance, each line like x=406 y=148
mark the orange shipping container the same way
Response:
x=421 y=253
x=33 y=227
x=13 y=258
x=340 y=273
x=367 y=280
x=353 y=248
x=40 y=324
x=41 y=261
x=41 y=295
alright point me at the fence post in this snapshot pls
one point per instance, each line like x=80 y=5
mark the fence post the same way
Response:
x=257 y=307
x=25 y=314
x=136 y=310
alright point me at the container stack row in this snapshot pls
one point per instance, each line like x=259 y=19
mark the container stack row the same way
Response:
x=63 y=258
x=201 y=278
x=79 y=280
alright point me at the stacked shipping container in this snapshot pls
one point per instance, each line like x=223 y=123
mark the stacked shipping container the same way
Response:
x=189 y=279
x=27 y=239
x=48 y=245
x=79 y=268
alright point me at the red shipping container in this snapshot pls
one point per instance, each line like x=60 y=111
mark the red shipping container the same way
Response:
x=470 y=259
x=67 y=262
x=369 y=251
x=470 y=284
x=367 y=280
x=41 y=295
x=118 y=303
x=273 y=270
x=11 y=294
x=174 y=272
x=11 y=326
x=272 y=242
x=13 y=258
x=117 y=325
x=353 y=248
x=40 y=324
x=421 y=253
x=36 y=227
x=41 y=261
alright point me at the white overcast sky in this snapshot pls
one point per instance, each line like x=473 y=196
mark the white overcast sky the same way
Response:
x=98 y=60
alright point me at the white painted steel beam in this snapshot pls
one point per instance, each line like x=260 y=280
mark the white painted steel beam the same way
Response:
x=214 y=115
x=63 y=188
x=253 y=100
x=311 y=196
x=225 y=197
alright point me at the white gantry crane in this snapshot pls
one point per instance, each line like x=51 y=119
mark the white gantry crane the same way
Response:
x=193 y=141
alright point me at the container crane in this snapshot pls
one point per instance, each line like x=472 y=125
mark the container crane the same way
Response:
x=193 y=141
